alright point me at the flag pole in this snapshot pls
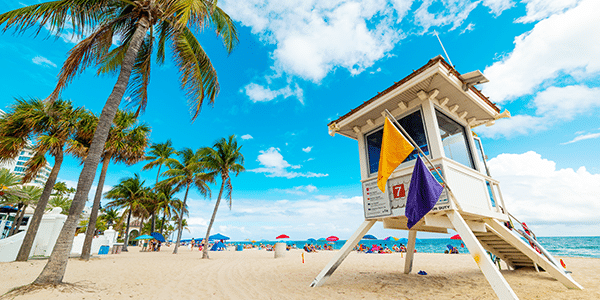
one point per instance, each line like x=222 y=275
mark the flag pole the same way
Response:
x=453 y=198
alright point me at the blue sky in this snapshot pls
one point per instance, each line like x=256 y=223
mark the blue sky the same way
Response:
x=301 y=64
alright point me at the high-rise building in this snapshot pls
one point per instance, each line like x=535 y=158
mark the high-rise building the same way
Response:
x=18 y=167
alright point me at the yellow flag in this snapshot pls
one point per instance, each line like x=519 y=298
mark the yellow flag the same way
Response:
x=394 y=150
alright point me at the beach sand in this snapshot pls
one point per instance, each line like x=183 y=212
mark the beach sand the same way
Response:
x=255 y=274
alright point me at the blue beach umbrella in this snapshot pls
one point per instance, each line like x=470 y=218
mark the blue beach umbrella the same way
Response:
x=218 y=236
x=311 y=240
x=159 y=237
x=369 y=237
x=144 y=237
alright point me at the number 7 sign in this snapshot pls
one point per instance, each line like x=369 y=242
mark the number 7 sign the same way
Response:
x=399 y=191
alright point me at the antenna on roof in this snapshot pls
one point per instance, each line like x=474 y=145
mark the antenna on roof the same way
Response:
x=448 y=57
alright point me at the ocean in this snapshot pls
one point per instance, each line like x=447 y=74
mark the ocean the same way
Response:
x=578 y=246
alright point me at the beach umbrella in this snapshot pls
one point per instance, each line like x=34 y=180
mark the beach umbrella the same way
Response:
x=390 y=238
x=332 y=238
x=455 y=237
x=218 y=236
x=159 y=237
x=321 y=240
x=311 y=240
x=282 y=236
x=144 y=237
x=369 y=237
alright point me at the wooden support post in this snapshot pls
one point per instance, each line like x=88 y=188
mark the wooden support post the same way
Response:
x=410 y=251
x=343 y=253
x=491 y=273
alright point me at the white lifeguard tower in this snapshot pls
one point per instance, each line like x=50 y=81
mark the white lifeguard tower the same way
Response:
x=437 y=107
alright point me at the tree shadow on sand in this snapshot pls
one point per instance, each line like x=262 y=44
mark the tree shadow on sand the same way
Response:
x=76 y=287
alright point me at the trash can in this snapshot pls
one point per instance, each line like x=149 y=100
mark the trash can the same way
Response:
x=239 y=247
x=279 y=250
x=103 y=250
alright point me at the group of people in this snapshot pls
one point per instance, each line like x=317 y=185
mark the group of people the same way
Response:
x=313 y=248
x=151 y=246
x=380 y=248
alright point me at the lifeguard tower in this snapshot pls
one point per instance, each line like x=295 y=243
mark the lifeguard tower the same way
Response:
x=437 y=107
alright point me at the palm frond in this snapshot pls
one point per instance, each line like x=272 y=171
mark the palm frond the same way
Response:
x=198 y=76
x=225 y=27
x=55 y=16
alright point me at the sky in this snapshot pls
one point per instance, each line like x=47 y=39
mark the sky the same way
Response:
x=303 y=63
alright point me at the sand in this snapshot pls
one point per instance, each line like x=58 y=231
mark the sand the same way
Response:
x=255 y=274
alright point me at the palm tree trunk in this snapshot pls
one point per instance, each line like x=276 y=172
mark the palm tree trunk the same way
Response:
x=180 y=221
x=141 y=224
x=54 y=271
x=156 y=189
x=18 y=216
x=38 y=213
x=126 y=241
x=91 y=229
x=212 y=219
x=162 y=224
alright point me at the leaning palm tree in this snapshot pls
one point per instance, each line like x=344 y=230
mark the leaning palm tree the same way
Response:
x=183 y=175
x=142 y=26
x=222 y=158
x=157 y=156
x=126 y=143
x=52 y=125
x=130 y=195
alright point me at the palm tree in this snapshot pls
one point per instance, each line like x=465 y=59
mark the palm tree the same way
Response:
x=61 y=201
x=53 y=124
x=184 y=174
x=158 y=155
x=167 y=203
x=126 y=143
x=139 y=24
x=28 y=195
x=61 y=188
x=9 y=182
x=222 y=158
x=110 y=216
x=130 y=194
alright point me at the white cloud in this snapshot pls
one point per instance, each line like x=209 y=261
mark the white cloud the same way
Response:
x=536 y=192
x=273 y=165
x=453 y=13
x=313 y=38
x=567 y=102
x=469 y=27
x=583 y=137
x=498 y=6
x=517 y=125
x=259 y=93
x=299 y=190
x=553 y=105
x=559 y=45
x=541 y=9
x=247 y=137
x=42 y=61
x=307 y=149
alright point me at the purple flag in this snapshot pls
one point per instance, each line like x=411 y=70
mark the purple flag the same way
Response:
x=423 y=193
